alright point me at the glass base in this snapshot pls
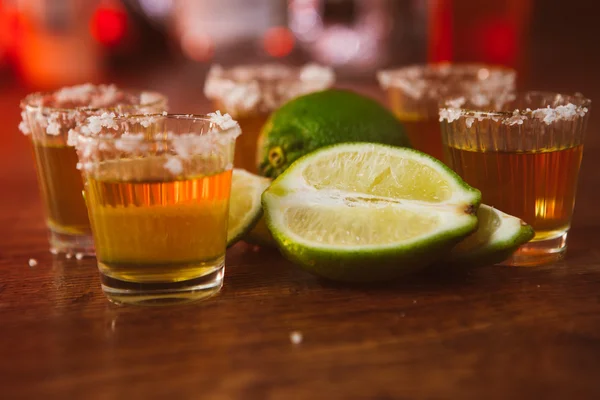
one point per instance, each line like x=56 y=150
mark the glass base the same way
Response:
x=540 y=252
x=71 y=245
x=158 y=294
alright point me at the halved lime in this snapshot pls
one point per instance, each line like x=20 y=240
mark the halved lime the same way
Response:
x=364 y=212
x=497 y=237
x=245 y=208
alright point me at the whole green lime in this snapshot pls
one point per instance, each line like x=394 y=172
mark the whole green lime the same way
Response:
x=321 y=119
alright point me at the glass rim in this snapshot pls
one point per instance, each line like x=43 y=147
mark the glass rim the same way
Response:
x=450 y=108
x=234 y=131
x=219 y=72
x=26 y=102
x=418 y=72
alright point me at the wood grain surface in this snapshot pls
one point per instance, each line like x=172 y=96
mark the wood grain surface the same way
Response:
x=494 y=333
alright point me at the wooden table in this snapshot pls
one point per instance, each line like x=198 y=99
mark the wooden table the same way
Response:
x=495 y=333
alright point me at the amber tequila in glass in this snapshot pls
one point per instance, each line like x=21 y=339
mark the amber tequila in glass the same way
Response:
x=47 y=119
x=525 y=159
x=157 y=189
x=249 y=93
x=414 y=93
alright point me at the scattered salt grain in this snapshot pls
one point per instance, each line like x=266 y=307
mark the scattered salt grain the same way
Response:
x=296 y=337
x=79 y=256
x=69 y=255
x=32 y=262
x=414 y=302
x=53 y=251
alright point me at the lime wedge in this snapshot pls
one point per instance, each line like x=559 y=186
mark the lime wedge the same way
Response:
x=363 y=212
x=244 y=208
x=497 y=237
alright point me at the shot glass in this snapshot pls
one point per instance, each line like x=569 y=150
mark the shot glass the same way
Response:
x=524 y=156
x=414 y=93
x=157 y=190
x=249 y=93
x=47 y=118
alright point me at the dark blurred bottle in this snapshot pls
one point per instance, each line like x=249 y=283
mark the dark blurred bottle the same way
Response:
x=494 y=32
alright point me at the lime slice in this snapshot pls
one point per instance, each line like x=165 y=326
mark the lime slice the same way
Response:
x=497 y=237
x=364 y=212
x=244 y=208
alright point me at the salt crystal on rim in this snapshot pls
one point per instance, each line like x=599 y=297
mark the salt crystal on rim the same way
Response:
x=450 y=114
x=456 y=103
x=53 y=127
x=108 y=94
x=516 y=119
x=106 y=120
x=174 y=165
x=223 y=121
x=316 y=72
x=23 y=125
x=72 y=138
x=146 y=121
x=78 y=93
x=469 y=121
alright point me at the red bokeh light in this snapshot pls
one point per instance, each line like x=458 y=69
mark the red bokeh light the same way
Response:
x=109 y=25
x=278 y=41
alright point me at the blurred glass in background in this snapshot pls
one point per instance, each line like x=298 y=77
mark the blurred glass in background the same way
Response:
x=51 y=43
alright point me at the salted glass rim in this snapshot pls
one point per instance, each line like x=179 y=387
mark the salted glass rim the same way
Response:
x=234 y=131
x=433 y=72
x=26 y=103
x=225 y=73
x=450 y=108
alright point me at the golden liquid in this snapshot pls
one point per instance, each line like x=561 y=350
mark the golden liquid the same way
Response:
x=62 y=188
x=424 y=134
x=246 y=143
x=420 y=120
x=537 y=187
x=157 y=230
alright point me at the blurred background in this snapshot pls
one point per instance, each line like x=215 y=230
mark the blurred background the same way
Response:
x=168 y=45
x=49 y=43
